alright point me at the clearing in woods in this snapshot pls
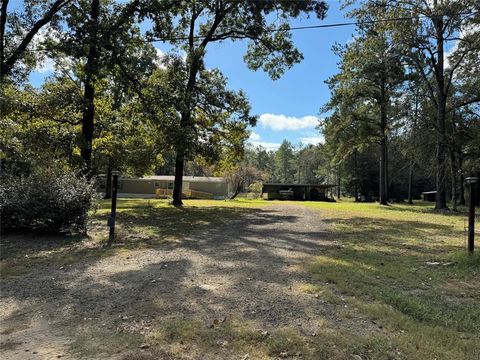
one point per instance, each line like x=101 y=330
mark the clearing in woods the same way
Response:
x=245 y=280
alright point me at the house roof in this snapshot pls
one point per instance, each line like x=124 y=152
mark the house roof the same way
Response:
x=185 y=178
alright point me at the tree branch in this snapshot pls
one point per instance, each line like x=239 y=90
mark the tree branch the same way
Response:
x=465 y=103
x=425 y=78
x=7 y=66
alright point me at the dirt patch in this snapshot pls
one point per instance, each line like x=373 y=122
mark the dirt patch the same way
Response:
x=249 y=268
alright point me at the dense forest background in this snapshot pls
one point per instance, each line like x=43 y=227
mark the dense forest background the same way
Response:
x=404 y=113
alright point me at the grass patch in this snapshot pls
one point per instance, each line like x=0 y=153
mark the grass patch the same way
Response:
x=19 y=263
x=91 y=342
x=150 y=222
x=11 y=269
x=236 y=338
x=430 y=311
x=229 y=338
x=203 y=340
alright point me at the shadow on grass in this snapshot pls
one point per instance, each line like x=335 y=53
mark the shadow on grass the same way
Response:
x=101 y=316
x=220 y=244
x=155 y=225
x=395 y=236
x=235 y=260
x=426 y=208
x=139 y=224
x=22 y=253
x=204 y=228
x=387 y=262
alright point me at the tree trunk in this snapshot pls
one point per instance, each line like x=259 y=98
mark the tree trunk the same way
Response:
x=3 y=23
x=178 y=182
x=441 y=200
x=338 y=179
x=453 y=168
x=413 y=143
x=382 y=181
x=382 y=197
x=453 y=162
x=462 y=180
x=410 y=183
x=89 y=92
x=387 y=182
x=477 y=190
x=194 y=61
x=355 y=165
x=238 y=189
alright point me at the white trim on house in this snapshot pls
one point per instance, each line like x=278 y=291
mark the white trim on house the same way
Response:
x=135 y=196
x=185 y=178
x=146 y=187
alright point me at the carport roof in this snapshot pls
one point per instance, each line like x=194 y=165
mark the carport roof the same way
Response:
x=298 y=185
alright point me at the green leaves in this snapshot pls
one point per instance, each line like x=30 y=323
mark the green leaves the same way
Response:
x=218 y=115
x=273 y=54
x=196 y=24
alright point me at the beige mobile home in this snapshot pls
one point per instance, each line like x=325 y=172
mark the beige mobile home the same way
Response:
x=194 y=187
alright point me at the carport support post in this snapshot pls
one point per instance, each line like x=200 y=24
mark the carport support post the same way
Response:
x=472 y=181
x=111 y=219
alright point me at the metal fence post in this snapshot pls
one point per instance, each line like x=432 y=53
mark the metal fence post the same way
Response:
x=471 y=214
x=111 y=218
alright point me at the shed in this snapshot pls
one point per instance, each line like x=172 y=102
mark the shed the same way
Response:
x=429 y=195
x=315 y=192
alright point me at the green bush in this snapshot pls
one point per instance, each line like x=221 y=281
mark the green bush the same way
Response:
x=48 y=200
x=255 y=190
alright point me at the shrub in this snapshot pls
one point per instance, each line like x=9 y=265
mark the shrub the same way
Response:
x=48 y=200
x=255 y=190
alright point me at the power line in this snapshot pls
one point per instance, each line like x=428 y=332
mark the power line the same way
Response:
x=324 y=26
x=307 y=27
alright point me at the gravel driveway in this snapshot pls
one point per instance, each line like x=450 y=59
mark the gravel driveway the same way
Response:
x=250 y=267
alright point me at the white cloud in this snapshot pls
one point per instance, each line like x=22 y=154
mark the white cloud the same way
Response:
x=280 y=122
x=256 y=140
x=265 y=144
x=160 y=58
x=312 y=140
x=254 y=136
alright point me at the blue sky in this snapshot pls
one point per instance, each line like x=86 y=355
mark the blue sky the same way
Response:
x=288 y=108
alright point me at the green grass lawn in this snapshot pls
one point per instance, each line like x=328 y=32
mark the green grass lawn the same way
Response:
x=381 y=272
x=150 y=222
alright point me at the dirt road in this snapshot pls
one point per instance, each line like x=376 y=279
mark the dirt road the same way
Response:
x=250 y=268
